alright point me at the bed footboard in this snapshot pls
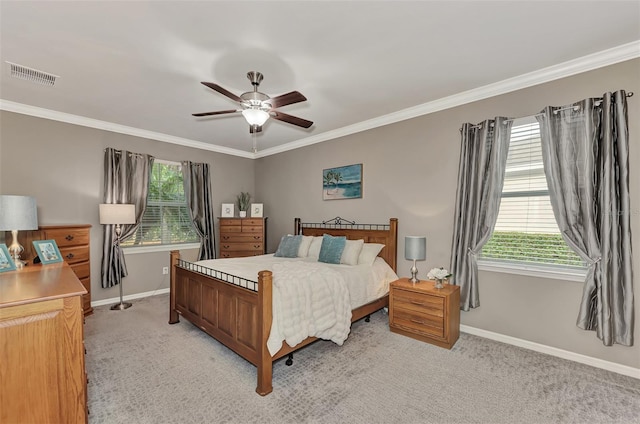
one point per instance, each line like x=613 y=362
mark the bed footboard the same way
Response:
x=238 y=317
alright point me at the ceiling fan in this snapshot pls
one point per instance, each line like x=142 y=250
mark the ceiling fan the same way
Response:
x=257 y=107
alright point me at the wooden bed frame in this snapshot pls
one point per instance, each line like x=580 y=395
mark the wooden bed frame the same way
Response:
x=239 y=314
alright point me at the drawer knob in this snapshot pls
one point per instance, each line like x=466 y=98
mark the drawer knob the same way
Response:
x=256 y=246
x=256 y=237
x=417 y=321
x=69 y=256
x=225 y=237
x=69 y=237
x=226 y=246
x=417 y=303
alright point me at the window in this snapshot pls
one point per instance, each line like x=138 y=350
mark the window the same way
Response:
x=526 y=232
x=166 y=219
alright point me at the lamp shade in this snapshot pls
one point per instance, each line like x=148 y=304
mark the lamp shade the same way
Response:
x=415 y=248
x=18 y=213
x=112 y=213
x=255 y=116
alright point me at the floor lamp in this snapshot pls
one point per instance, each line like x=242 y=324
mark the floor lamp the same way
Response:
x=17 y=213
x=118 y=214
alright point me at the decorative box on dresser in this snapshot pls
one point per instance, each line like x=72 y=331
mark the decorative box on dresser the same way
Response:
x=73 y=242
x=42 y=361
x=240 y=237
x=425 y=313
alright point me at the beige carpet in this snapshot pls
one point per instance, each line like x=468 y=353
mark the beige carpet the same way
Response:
x=143 y=370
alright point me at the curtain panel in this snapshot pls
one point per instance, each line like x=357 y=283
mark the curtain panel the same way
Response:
x=483 y=157
x=585 y=148
x=126 y=180
x=197 y=190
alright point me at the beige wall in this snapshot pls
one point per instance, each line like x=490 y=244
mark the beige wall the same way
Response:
x=410 y=170
x=61 y=166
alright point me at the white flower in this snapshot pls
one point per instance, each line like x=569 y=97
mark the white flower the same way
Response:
x=438 y=274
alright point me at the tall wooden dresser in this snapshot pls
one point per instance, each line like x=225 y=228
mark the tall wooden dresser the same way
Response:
x=73 y=242
x=240 y=237
x=42 y=361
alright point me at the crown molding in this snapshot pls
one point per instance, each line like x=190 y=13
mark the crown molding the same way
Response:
x=117 y=128
x=583 y=64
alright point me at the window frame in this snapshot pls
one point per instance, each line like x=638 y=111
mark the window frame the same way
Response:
x=539 y=270
x=136 y=249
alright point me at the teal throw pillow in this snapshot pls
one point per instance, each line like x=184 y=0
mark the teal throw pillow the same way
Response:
x=331 y=250
x=288 y=247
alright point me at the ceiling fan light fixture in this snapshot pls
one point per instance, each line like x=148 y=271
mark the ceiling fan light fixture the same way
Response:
x=255 y=116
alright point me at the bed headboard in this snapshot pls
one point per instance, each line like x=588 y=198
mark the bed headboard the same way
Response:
x=386 y=234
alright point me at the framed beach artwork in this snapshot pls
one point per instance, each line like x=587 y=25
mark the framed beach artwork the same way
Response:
x=344 y=182
x=6 y=262
x=47 y=251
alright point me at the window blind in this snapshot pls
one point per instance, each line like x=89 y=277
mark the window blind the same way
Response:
x=526 y=230
x=166 y=219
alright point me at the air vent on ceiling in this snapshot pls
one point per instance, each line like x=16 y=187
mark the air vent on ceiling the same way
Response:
x=33 y=75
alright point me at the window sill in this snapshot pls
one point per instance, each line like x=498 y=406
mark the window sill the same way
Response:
x=539 y=271
x=160 y=248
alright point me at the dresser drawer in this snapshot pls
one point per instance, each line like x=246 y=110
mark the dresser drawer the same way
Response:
x=242 y=246
x=240 y=253
x=241 y=238
x=252 y=223
x=230 y=228
x=75 y=254
x=82 y=270
x=68 y=236
x=419 y=303
x=252 y=228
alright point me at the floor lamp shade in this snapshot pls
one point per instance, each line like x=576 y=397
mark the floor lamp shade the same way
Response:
x=415 y=249
x=112 y=213
x=17 y=213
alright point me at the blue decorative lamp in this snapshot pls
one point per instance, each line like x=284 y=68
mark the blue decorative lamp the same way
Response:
x=415 y=249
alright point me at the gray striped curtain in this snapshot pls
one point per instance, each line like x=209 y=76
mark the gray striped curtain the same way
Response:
x=197 y=190
x=585 y=151
x=483 y=158
x=126 y=180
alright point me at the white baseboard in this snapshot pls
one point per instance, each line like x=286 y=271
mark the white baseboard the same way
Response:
x=114 y=300
x=560 y=353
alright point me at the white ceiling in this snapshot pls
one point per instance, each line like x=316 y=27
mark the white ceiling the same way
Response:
x=136 y=67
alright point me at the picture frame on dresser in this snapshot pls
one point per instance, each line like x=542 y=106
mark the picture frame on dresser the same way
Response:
x=256 y=210
x=6 y=262
x=47 y=251
x=227 y=210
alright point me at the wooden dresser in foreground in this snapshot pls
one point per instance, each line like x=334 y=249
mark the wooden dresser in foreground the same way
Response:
x=240 y=237
x=73 y=242
x=425 y=313
x=41 y=346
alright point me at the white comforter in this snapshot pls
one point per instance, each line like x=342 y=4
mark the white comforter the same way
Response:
x=306 y=292
x=308 y=300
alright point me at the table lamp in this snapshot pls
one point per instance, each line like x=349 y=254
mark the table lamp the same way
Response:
x=415 y=248
x=118 y=214
x=17 y=213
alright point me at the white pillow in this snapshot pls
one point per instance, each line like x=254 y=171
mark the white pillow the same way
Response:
x=369 y=253
x=314 y=249
x=303 y=251
x=351 y=252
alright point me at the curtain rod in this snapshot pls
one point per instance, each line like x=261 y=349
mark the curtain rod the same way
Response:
x=598 y=101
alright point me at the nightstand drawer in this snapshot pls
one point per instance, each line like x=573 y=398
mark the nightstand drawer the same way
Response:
x=419 y=323
x=423 y=304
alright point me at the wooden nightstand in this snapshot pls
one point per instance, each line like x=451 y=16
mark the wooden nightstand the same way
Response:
x=425 y=313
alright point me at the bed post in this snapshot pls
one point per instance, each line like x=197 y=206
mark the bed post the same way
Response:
x=393 y=226
x=265 y=316
x=173 y=262
x=297 y=223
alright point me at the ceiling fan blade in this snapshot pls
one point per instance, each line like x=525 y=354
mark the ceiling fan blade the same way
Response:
x=223 y=91
x=291 y=119
x=220 y=112
x=286 y=99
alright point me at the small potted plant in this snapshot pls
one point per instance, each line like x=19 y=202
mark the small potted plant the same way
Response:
x=243 y=203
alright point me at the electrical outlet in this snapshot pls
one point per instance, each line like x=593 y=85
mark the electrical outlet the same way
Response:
x=165 y=270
